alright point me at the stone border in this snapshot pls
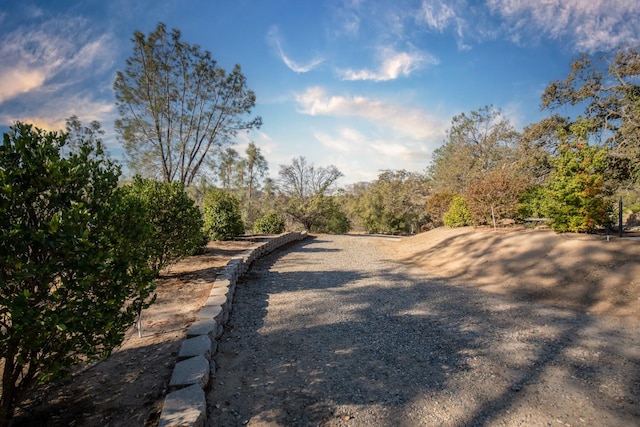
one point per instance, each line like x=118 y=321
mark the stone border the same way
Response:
x=185 y=404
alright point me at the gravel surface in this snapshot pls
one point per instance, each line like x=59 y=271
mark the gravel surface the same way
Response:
x=329 y=333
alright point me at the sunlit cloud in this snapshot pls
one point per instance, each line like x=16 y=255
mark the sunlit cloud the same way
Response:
x=273 y=38
x=53 y=114
x=43 y=73
x=17 y=80
x=392 y=66
x=411 y=122
x=365 y=155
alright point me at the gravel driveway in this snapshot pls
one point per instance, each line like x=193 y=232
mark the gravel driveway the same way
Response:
x=329 y=333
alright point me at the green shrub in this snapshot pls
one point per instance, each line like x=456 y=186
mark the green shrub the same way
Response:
x=73 y=275
x=176 y=221
x=533 y=203
x=576 y=192
x=458 y=214
x=332 y=219
x=222 y=218
x=270 y=223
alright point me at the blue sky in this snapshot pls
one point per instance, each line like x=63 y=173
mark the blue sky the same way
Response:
x=365 y=85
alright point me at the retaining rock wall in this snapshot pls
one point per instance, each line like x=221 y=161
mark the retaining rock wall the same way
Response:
x=185 y=404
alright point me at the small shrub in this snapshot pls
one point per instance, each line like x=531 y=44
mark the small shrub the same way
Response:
x=458 y=214
x=176 y=221
x=270 y=223
x=222 y=218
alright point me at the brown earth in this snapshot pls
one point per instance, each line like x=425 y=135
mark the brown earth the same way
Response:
x=588 y=273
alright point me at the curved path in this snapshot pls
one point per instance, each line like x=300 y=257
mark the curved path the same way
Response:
x=329 y=333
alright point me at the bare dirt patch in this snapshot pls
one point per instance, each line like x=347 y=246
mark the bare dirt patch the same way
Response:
x=589 y=273
x=129 y=387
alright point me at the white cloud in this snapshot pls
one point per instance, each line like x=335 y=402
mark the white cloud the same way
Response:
x=347 y=140
x=273 y=38
x=374 y=135
x=588 y=25
x=17 y=80
x=52 y=114
x=363 y=156
x=405 y=121
x=392 y=65
x=583 y=25
x=40 y=68
x=438 y=15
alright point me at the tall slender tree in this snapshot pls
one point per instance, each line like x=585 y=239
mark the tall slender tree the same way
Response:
x=176 y=105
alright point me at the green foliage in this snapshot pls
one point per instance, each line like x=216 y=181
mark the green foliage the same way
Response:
x=73 y=273
x=576 y=196
x=270 y=223
x=607 y=86
x=394 y=203
x=221 y=211
x=176 y=221
x=477 y=143
x=177 y=106
x=331 y=218
x=458 y=214
x=305 y=189
x=533 y=203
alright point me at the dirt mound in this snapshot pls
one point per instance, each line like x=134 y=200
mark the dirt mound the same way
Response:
x=590 y=273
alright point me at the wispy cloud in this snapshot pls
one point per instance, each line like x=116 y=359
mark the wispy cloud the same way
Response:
x=273 y=37
x=413 y=123
x=438 y=15
x=588 y=25
x=583 y=25
x=393 y=65
x=364 y=155
x=41 y=66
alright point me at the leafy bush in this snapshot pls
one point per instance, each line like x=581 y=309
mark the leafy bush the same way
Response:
x=332 y=219
x=222 y=219
x=576 y=194
x=494 y=196
x=73 y=275
x=533 y=203
x=270 y=223
x=458 y=214
x=176 y=221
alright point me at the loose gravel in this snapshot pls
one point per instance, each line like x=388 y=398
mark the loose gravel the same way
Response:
x=329 y=333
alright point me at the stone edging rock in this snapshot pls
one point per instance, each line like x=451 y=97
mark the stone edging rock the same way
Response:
x=185 y=404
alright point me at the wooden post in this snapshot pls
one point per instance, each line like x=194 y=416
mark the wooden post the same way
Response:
x=493 y=217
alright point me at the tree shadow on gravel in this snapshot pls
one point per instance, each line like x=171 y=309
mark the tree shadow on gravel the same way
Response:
x=423 y=352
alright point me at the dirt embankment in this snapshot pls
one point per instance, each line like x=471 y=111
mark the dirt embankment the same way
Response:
x=590 y=273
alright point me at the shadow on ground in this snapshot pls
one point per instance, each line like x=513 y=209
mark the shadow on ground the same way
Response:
x=423 y=352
